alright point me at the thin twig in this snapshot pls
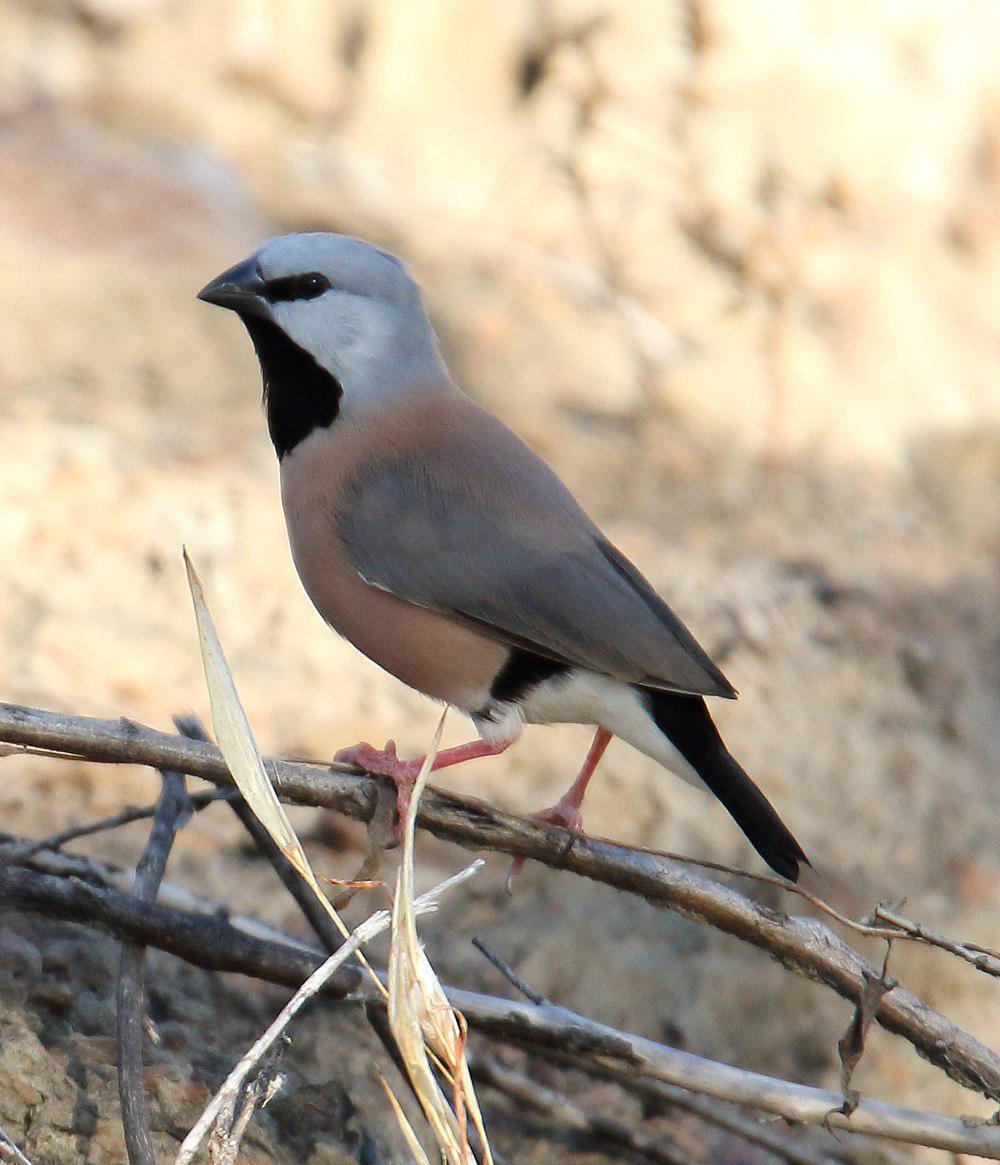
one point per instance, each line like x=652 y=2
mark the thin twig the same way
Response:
x=623 y=1141
x=982 y=958
x=804 y=945
x=10 y=852
x=509 y=973
x=362 y=934
x=172 y=811
x=317 y=917
x=213 y=944
x=10 y=1151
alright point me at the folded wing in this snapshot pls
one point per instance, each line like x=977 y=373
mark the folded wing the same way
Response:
x=499 y=541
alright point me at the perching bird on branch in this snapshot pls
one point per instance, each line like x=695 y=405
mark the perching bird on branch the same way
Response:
x=447 y=551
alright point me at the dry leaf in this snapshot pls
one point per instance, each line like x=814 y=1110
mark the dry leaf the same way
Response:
x=851 y=1045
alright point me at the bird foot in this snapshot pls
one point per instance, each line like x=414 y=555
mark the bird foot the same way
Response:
x=565 y=813
x=384 y=762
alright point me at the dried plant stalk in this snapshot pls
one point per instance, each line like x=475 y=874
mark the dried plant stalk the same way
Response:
x=420 y=1015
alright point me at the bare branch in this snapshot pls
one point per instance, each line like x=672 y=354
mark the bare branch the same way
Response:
x=530 y=1094
x=10 y=1152
x=205 y=940
x=725 y=1115
x=804 y=945
x=172 y=810
x=542 y=1028
x=10 y=852
x=716 y=1112
x=211 y=943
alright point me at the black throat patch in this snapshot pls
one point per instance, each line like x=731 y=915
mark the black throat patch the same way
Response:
x=299 y=394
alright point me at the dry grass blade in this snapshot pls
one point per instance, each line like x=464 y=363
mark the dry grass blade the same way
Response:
x=405 y=1127
x=242 y=756
x=420 y=1015
x=232 y=728
x=235 y=1080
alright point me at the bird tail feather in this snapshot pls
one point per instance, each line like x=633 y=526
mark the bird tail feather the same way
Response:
x=688 y=725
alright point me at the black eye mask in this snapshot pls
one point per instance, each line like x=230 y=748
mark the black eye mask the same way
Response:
x=290 y=287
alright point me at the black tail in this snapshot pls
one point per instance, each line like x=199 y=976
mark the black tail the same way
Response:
x=686 y=722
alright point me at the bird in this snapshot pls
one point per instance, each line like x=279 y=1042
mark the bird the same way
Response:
x=436 y=541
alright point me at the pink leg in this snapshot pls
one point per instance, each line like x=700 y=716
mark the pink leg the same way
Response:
x=566 y=811
x=403 y=773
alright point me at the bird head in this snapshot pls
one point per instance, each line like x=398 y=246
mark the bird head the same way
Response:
x=335 y=302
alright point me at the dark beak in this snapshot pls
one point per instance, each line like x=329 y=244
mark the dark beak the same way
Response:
x=241 y=289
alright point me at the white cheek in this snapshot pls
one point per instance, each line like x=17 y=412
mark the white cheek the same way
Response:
x=330 y=330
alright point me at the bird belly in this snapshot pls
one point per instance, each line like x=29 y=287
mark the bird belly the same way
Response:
x=436 y=655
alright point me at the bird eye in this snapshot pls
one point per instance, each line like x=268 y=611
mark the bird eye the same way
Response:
x=290 y=287
x=313 y=284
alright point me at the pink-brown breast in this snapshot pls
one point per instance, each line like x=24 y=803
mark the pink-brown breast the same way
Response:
x=435 y=654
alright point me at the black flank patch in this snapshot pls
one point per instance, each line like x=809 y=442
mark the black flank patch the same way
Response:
x=299 y=394
x=522 y=672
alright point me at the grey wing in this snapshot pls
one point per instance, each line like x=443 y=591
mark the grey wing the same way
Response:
x=531 y=569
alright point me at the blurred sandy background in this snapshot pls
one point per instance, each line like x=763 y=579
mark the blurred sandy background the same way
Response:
x=733 y=268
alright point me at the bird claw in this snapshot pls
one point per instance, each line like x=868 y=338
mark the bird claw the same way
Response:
x=385 y=762
x=382 y=762
x=563 y=813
